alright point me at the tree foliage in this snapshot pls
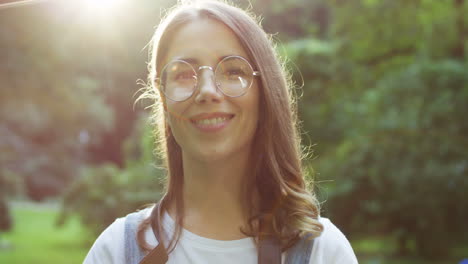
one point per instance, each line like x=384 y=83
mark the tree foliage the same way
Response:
x=5 y=219
x=405 y=167
x=107 y=192
x=51 y=109
x=383 y=98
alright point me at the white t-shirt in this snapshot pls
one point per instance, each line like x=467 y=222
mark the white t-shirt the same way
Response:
x=331 y=247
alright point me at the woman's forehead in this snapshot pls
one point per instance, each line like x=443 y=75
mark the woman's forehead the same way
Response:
x=203 y=41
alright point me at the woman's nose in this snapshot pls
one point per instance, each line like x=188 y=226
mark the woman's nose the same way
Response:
x=207 y=91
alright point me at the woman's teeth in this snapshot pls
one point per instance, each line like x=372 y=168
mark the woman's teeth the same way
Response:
x=211 y=121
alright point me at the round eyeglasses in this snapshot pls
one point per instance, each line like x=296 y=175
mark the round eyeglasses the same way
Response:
x=233 y=76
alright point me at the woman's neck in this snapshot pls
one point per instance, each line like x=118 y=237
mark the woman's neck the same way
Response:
x=213 y=197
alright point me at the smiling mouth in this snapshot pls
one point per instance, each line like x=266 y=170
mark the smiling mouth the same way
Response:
x=212 y=120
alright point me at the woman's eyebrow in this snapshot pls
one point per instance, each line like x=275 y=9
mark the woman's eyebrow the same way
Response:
x=192 y=61
x=225 y=56
x=195 y=61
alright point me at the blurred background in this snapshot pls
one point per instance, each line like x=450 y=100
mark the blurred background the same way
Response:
x=383 y=88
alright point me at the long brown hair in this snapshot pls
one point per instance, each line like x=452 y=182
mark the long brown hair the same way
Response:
x=284 y=202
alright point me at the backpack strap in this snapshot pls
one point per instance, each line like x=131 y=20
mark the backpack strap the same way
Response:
x=269 y=251
x=269 y=246
x=300 y=253
x=133 y=253
x=159 y=254
x=156 y=256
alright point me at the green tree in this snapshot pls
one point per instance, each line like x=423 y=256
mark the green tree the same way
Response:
x=50 y=109
x=406 y=168
x=107 y=192
x=388 y=63
x=5 y=218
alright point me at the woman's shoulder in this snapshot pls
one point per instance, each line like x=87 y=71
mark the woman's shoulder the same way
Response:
x=116 y=231
x=332 y=246
x=109 y=246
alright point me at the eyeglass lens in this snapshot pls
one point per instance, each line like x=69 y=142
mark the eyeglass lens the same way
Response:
x=233 y=76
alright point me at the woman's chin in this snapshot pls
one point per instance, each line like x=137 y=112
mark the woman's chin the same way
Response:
x=210 y=154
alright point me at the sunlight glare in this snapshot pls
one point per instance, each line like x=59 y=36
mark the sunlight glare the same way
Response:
x=102 y=6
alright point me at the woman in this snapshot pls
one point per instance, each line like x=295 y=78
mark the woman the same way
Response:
x=227 y=131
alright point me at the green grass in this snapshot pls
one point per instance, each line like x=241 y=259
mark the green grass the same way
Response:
x=36 y=239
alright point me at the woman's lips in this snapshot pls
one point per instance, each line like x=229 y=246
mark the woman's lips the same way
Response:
x=211 y=122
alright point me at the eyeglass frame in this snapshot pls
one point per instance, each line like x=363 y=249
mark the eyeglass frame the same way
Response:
x=202 y=67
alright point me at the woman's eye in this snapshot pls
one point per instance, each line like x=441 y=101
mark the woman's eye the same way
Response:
x=235 y=72
x=184 y=76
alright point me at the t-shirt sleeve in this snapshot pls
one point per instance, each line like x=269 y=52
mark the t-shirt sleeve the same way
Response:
x=109 y=246
x=332 y=247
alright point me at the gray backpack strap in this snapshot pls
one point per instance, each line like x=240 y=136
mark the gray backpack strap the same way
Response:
x=300 y=253
x=133 y=253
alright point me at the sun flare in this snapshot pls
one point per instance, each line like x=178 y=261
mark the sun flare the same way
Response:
x=102 y=6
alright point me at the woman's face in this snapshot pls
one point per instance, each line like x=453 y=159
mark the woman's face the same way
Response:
x=210 y=126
